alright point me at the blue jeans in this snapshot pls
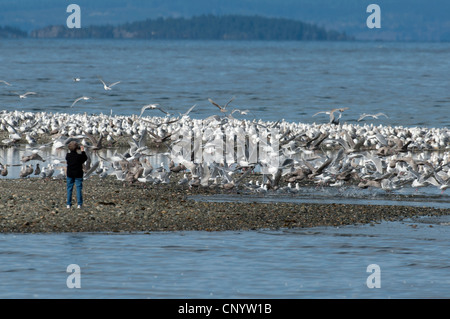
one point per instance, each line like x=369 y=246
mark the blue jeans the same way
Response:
x=79 y=185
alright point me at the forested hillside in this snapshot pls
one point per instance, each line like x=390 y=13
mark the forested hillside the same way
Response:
x=204 y=27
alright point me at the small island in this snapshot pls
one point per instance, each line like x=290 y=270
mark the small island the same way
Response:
x=204 y=27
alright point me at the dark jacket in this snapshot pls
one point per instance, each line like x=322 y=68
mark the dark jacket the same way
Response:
x=75 y=164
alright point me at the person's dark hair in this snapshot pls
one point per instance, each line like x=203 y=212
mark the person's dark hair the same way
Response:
x=73 y=146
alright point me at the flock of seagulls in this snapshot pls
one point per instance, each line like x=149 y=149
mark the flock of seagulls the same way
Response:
x=328 y=154
x=217 y=151
x=106 y=87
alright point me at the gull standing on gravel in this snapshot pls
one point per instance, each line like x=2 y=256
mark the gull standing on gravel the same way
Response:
x=37 y=170
x=4 y=170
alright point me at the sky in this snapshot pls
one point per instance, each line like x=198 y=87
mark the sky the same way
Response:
x=417 y=20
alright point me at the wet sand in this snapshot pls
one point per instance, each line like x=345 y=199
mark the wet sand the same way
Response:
x=35 y=205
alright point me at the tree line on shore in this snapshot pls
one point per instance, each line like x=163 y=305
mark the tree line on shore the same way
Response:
x=204 y=27
x=11 y=33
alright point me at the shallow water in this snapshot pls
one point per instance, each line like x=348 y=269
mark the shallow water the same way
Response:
x=321 y=262
x=421 y=197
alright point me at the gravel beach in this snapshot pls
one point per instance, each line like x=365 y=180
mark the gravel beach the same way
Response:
x=34 y=205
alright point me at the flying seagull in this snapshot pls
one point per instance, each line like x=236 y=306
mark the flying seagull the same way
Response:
x=242 y=112
x=34 y=156
x=152 y=107
x=188 y=111
x=24 y=96
x=2 y=81
x=108 y=87
x=222 y=109
x=333 y=119
x=372 y=115
x=79 y=99
x=96 y=144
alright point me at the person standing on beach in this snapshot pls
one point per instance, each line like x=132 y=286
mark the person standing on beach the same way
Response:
x=75 y=159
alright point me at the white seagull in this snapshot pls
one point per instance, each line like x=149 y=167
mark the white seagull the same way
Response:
x=24 y=96
x=333 y=119
x=188 y=111
x=152 y=107
x=79 y=99
x=372 y=115
x=2 y=81
x=108 y=87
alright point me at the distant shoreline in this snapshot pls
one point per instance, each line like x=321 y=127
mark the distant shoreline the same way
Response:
x=220 y=40
x=203 y=27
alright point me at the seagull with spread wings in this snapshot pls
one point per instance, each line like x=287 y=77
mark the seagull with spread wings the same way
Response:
x=188 y=111
x=375 y=116
x=4 y=82
x=96 y=144
x=108 y=87
x=222 y=109
x=152 y=107
x=24 y=96
x=79 y=99
x=333 y=119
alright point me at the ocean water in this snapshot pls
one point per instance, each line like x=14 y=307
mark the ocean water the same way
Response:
x=321 y=262
x=275 y=80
